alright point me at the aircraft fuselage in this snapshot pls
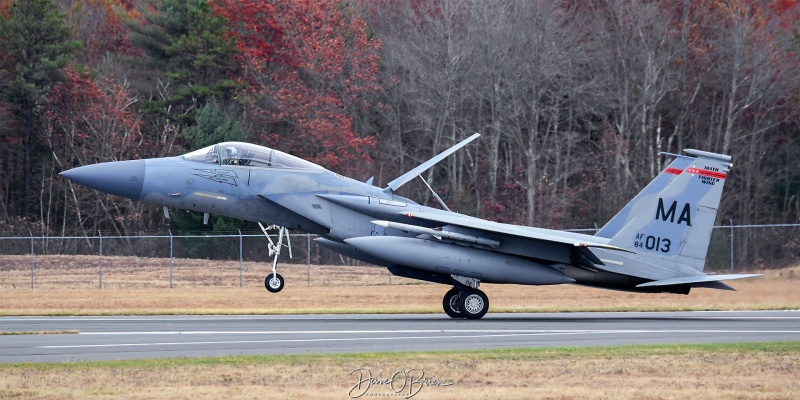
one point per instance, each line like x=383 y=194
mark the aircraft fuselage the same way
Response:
x=657 y=243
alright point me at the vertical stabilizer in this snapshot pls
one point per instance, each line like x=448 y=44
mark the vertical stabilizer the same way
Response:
x=675 y=224
x=635 y=206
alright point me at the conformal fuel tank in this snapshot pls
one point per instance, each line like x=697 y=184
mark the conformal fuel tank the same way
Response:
x=452 y=259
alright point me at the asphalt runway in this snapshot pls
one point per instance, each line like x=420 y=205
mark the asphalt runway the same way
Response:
x=117 y=338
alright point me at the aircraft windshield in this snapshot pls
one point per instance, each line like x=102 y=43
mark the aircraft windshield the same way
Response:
x=206 y=155
x=250 y=155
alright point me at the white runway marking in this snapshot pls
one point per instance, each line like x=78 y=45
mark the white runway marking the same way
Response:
x=485 y=331
x=522 y=333
x=798 y=318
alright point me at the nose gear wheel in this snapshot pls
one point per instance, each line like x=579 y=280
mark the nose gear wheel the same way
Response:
x=274 y=281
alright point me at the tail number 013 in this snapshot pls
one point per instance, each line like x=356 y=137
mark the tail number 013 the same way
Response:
x=650 y=242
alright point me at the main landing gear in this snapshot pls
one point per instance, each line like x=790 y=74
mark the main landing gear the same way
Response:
x=274 y=281
x=465 y=302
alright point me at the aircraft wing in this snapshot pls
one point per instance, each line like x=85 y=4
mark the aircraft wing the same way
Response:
x=508 y=229
x=496 y=231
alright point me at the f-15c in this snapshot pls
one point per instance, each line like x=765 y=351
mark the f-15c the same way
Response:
x=656 y=243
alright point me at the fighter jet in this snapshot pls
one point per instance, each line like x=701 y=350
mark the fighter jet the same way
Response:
x=656 y=243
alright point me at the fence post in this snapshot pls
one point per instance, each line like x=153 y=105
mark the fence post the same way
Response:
x=308 y=258
x=171 y=259
x=731 y=221
x=101 y=258
x=33 y=260
x=240 y=256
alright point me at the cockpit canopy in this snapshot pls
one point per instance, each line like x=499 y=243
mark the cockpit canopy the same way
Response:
x=249 y=155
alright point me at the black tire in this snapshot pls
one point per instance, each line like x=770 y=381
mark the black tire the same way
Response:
x=274 y=286
x=473 y=303
x=450 y=303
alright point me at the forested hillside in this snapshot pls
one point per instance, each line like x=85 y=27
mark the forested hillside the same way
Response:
x=575 y=99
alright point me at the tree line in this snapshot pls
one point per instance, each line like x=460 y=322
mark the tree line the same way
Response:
x=575 y=101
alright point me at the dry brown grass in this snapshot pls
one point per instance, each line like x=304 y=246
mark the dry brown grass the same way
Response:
x=630 y=373
x=82 y=272
x=69 y=285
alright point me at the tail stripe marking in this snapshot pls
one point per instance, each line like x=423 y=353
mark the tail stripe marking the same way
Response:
x=673 y=171
x=703 y=172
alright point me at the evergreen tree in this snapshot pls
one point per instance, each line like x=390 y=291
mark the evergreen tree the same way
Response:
x=212 y=125
x=192 y=45
x=35 y=45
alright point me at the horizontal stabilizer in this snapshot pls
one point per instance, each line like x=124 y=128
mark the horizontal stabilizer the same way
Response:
x=713 y=285
x=583 y=249
x=689 y=280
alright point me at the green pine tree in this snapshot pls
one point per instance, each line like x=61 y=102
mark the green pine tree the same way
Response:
x=192 y=44
x=35 y=45
x=212 y=125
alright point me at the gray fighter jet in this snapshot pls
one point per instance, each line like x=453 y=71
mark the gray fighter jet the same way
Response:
x=656 y=243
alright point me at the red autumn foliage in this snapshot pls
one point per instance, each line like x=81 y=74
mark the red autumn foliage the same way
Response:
x=99 y=25
x=5 y=7
x=97 y=120
x=256 y=28
x=316 y=68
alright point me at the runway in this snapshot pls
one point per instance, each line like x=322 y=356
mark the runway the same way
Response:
x=117 y=338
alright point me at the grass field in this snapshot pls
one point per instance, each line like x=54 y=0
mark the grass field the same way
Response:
x=743 y=371
x=68 y=285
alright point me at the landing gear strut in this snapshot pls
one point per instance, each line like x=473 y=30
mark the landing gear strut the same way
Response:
x=274 y=281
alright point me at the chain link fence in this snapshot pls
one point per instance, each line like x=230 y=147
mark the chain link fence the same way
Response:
x=239 y=258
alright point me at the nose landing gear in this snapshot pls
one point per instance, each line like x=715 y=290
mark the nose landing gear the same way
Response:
x=274 y=281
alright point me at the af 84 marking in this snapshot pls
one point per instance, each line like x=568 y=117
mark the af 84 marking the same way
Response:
x=651 y=242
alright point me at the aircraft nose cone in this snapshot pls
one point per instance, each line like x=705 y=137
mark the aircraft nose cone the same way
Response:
x=121 y=178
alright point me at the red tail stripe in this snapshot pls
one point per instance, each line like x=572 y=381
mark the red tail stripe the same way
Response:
x=673 y=171
x=703 y=172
